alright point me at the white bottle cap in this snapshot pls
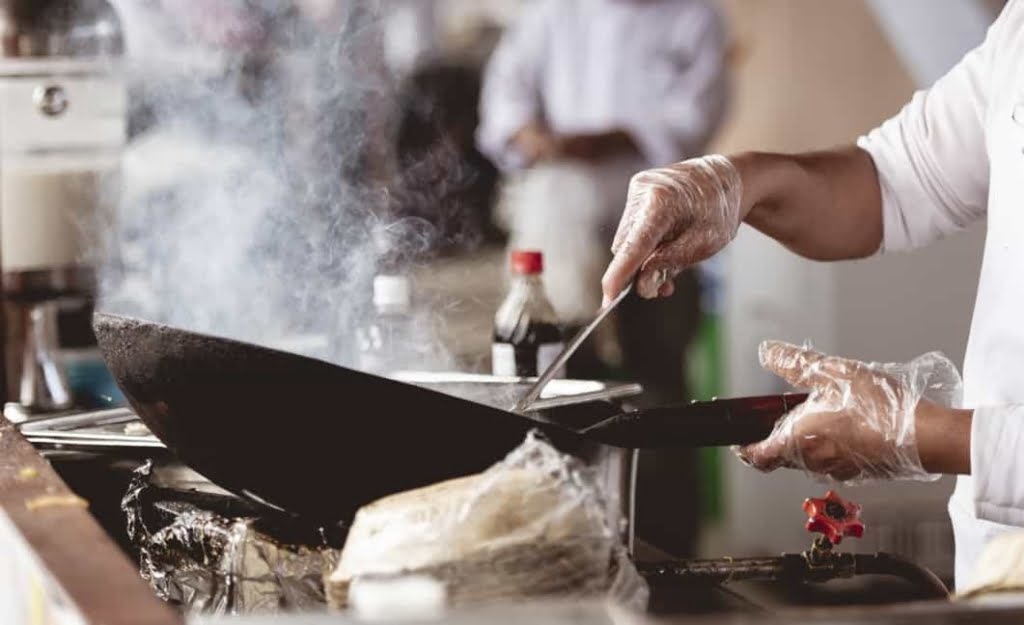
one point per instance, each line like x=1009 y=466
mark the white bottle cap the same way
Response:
x=392 y=292
x=406 y=598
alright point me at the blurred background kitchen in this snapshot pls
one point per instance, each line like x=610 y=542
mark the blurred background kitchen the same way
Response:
x=250 y=122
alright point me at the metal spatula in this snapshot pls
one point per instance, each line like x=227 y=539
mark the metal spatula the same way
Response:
x=570 y=348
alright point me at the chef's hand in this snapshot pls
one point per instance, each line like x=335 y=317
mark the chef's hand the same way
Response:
x=864 y=421
x=592 y=147
x=536 y=143
x=675 y=217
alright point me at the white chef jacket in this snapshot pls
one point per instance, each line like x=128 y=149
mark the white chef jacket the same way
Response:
x=954 y=155
x=655 y=68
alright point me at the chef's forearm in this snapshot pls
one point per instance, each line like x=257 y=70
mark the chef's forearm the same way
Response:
x=822 y=205
x=944 y=438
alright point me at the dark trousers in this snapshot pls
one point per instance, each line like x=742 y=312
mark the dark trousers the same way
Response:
x=654 y=337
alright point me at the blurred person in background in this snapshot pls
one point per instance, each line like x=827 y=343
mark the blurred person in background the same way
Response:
x=578 y=96
x=952 y=157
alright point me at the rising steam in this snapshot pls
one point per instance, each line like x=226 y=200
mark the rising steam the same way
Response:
x=257 y=194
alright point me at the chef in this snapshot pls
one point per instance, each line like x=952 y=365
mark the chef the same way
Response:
x=952 y=156
x=578 y=96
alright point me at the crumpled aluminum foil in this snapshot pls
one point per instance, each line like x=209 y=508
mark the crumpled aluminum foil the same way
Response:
x=206 y=563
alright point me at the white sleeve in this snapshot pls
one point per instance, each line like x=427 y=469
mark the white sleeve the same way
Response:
x=681 y=121
x=931 y=158
x=997 y=440
x=510 y=96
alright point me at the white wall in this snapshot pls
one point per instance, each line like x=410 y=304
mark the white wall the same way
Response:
x=898 y=307
x=930 y=37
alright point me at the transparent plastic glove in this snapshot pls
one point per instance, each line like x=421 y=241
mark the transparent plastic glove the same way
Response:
x=859 y=423
x=675 y=217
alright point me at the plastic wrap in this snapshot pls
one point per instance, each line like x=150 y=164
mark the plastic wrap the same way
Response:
x=534 y=525
x=675 y=217
x=859 y=423
x=1000 y=569
x=207 y=563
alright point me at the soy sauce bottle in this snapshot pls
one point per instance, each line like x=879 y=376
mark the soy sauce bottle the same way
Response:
x=527 y=336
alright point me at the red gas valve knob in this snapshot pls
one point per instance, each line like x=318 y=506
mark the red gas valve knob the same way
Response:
x=833 y=517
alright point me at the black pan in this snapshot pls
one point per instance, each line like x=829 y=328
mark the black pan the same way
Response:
x=321 y=440
x=301 y=434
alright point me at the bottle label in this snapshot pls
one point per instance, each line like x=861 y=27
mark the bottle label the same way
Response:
x=546 y=354
x=507 y=361
x=503 y=359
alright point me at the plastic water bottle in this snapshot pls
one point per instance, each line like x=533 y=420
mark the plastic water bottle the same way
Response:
x=387 y=343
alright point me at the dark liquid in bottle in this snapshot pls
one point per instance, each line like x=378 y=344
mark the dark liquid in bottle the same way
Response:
x=525 y=349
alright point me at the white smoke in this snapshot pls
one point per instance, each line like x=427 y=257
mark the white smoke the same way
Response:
x=254 y=204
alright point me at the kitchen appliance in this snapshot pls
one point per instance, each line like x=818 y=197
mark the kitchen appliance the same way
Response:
x=272 y=425
x=115 y=430
x=205 y=524
x=62 y=127
x=831 y=519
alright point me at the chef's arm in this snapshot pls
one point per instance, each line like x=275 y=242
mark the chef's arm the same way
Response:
x=997 y=463
x=512 y=132
x=986 y=443
x=822 y=205
x=920 y=176
x=944 y=438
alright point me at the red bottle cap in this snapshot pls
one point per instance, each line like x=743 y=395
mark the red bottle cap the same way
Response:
x=527 y=262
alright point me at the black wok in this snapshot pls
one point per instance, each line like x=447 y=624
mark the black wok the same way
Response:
x=321 y=440
x=301 y=434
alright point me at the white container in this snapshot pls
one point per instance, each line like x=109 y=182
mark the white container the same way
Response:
x=62 y=128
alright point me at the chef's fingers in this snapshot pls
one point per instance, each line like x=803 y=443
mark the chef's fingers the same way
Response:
x=803 y=367
x=657 y=271
x=627 y=222
x=644 y=191
x=683 y=250
x=767 y=455
x=615 y=279
x=638 y=245
x=777 y=451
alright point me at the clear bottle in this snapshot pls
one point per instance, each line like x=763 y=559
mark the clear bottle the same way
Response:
x=387 y=342
x=527 y=335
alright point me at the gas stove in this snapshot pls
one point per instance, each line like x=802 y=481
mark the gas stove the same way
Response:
x=104 y=455
x=163 y=514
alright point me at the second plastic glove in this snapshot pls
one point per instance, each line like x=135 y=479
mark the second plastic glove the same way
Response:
x=859 y=422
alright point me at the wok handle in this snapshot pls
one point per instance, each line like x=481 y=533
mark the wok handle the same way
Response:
x=739 y=421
